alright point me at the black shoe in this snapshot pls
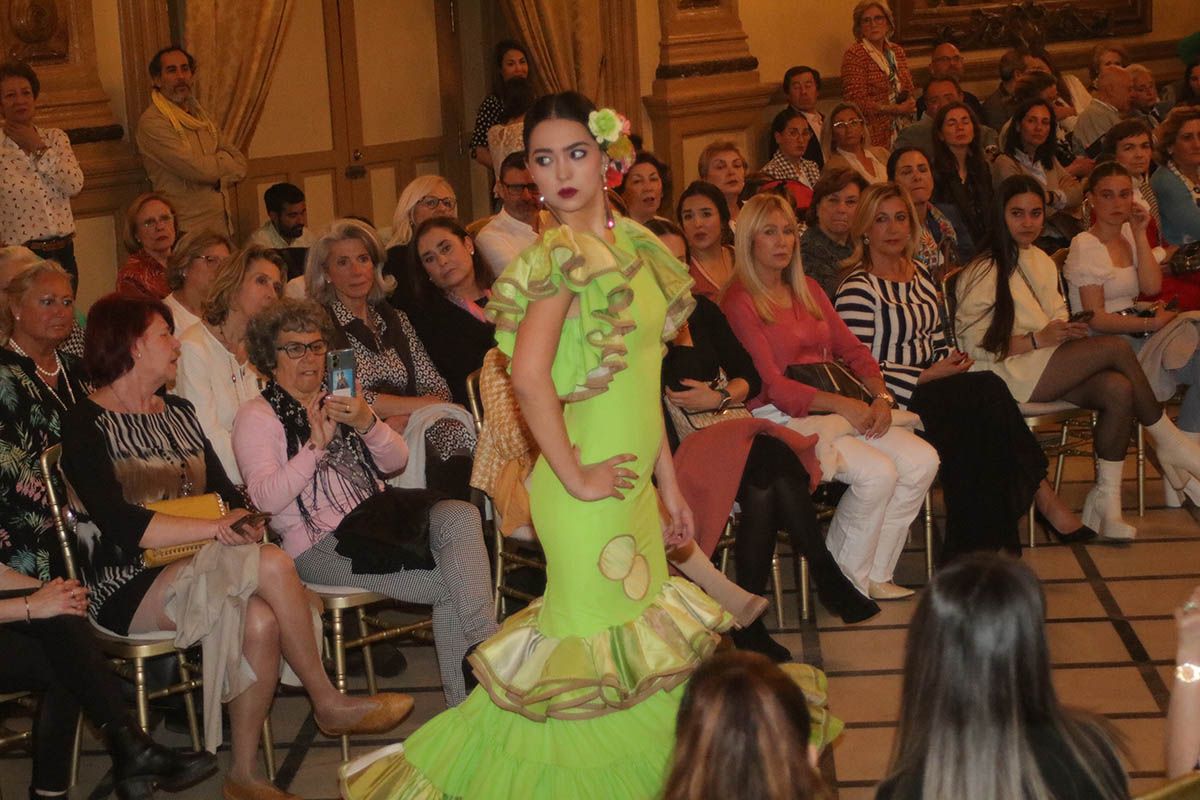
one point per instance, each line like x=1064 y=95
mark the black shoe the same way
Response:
x=469 y=679
x=852 y=607
x=388 y=659
x=755 y=637
x=1081 y=534
x=140 y=764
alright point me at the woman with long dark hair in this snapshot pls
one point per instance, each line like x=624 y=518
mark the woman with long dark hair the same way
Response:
x=979 y=716
x=703 y=214
x=510 y=59
x=962 y=187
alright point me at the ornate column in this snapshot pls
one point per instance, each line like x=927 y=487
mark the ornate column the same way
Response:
x=706 y=86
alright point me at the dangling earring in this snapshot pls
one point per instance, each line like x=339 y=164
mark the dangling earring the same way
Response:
x=542 y=199
x=609 y=221
x=866 y=240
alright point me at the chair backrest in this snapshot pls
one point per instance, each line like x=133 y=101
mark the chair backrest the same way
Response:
x=1059 y=257
x=475 y=401
x=56 y=491
x=1185 y=788
x=475 y=226
x=950 y=303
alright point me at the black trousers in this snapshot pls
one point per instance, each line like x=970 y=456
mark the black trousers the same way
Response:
x=59 y=658
x=64 y=255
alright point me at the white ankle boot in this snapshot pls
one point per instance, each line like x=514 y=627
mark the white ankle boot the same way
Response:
x=1102 y=507
x=1174 y=498
x=1178 y=454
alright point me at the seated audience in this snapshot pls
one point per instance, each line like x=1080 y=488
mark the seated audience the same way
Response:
x=38 y=172
x=825 y=243
x=125 y=445
x=704 y=218
x=510 y=60
x=515 y=226
x=995 y=729
x=1111 y=103
x=1144 y=97
x=645 y=187
x=783 y=318
x=1189 y=87
x=939 y=92
x=1177 y=182
x=997 y=108
x=1043 y=86
x=802 y=87
x=850 y=145
x=891 y=304
x=723 y=165
x=946 y=62
x=962 y=181
x=314 y=460
x=1131 y=144
x=287 y=219
x=399 y=380
x=1012 y=320
x=743 y=730
x=190 y=269
x=1104 y=55
x=937 y=246
x=875 y=74
x=15 y=260
x=424 y=197
x=149 y=238
x=214 y=373
x=1183 y=713
x=450 y=314
x=792 y=134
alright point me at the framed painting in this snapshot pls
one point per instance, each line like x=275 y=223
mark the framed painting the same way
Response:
x=983 y=24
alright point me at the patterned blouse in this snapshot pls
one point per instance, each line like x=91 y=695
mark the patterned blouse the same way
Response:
x=782 y=168
x=383 y=369
x=491 y=112
x=35 y=193
x=143 y=275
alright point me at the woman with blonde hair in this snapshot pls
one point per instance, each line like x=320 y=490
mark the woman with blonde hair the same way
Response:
x=150 y=235
x=849 y=141
x=425 y=197
x=784 y=320
x=875 y=73
x=190 y=269
x=722 y=164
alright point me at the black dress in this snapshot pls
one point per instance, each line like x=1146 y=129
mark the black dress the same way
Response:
x=456 y=340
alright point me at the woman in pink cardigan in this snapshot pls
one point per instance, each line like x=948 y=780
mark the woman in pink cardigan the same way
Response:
x=875 y=73
x=782 y=318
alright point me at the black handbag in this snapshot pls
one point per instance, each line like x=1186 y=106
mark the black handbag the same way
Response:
x=832 y=377
x=388 y=532
x=1186 y=259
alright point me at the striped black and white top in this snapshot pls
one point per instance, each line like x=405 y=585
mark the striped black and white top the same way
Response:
x=900 y=322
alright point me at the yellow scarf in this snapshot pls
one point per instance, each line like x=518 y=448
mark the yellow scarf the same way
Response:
x=181 y=119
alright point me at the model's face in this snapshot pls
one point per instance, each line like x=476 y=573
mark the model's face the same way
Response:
x=890 y=228
x=1112 y=199
x=175 y=82
x=17 y=102
x=156 y=227
x=913 y=173
x=203 y=266
x=156 y=353
x=793 y=139
x=1145 y=93
x=292 y=220
x=848 y=129
x=350 y=269
x=957 y=130
x=1024 y=215
x=566 y=164
x=701 y=222
x=1135 y=154
x=727 y=171
x=836 y=210
x=1035 y=127
x=1186 y=150
x=946 y=61
x=448 y=260
x=802 y=91
x=519 y=194
x=46 y=311
x=940 y=94
x=300 y=376
x=514 y=65
x=774 y=242
x=643 y=191
x=261 y=287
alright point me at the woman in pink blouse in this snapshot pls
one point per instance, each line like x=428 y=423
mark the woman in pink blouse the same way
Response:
x=782 y=318
x=875 y=73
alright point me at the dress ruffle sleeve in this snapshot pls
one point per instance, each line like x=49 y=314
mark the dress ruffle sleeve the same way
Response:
x=591 y=348
x=1088 y=262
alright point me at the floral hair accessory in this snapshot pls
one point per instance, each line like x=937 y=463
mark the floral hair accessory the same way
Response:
x=611 y=131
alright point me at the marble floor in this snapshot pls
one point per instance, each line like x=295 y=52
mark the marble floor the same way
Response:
x=1111 y=639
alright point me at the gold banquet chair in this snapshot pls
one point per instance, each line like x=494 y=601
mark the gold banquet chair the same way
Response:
x=128 y=654
x=1185 y=788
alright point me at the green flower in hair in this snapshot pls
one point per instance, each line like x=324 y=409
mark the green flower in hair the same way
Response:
x=606 y=125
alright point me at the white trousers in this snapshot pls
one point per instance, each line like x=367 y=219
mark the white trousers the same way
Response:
x=888 y=478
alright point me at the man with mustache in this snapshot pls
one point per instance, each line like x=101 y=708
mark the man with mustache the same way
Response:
x=185 y=155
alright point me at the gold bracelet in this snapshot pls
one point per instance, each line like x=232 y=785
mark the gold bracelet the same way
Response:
x=1187 y=672
x=28 y=618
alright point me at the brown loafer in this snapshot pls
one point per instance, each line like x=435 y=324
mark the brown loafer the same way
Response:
x=258 y=791
x=390 y=710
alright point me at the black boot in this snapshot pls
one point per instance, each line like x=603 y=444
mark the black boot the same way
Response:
x=836 y=592
x=469 y=678
x=140 y=764
x=755 y=637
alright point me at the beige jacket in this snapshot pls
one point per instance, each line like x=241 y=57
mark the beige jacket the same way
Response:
x=192 y=168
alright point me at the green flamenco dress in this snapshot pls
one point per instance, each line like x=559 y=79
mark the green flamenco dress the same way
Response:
x=579 y=692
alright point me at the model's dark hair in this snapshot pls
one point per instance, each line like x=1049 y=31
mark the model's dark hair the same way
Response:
x=800 y=70
x=742 y=731
x=1044 y=155
x=832 y=180
x=114 y=323
x=564 y=105
x=156 y=59
x=19 y=69
x=1002 y=250
x=425 y=288
x=501 y=49
x=894 y=159
x=977 y=686
x=279 y=195
x=706 y=189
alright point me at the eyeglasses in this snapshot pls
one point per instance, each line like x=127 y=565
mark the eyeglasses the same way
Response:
x=433 y=203
x=516 y=188
x=797 y=133
x=848 y=123
x=872 y=19
x=154 y=222
x=212 y=261
x=296 y=350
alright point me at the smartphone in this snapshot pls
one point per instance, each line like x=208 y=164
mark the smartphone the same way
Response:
x=1082 y=316
x=252 y=520
x=1172 y=304
x=339 y=372
x=902 y=96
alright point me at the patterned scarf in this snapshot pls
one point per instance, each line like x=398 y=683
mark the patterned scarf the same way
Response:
x=345 y=476
x=1192 y=187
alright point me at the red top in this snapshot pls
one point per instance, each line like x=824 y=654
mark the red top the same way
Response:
x=864 y=83
x=143 y=275
x=795 y=337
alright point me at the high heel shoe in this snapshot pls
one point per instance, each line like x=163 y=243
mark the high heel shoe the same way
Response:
x=1081 y=534
x=1178 y=452
x=390 y=710
x=141 y=764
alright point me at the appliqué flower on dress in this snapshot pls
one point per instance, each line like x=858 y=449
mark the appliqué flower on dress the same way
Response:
x=620 y=561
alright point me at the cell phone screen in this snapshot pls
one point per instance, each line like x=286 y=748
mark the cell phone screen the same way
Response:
x=340 y=372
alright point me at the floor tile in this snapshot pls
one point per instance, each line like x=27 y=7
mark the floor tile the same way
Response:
x=1085 y=643
x=1052 y=562
x=867 y=698
x=862 y=754
x=1147 y=558
x=1141 y=598
x=853 y=649
x=1072 y=601
x=1144 y=738
x=1105 y=690
x=1157 y=636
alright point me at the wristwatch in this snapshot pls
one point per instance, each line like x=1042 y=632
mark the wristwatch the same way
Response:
x=886 y=397
x=725 y=398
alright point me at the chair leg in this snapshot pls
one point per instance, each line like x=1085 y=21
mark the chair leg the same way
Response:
x=1062 y=457
x=139 y=689
x=76 y=747
x=776 y=579
x=1032 y=525
x=339 y=665
x=805 y=597
x=929 y=535
x=189 y=705
x=498 y=598
x=268 y=748
x=1141 y=470
x=368 y=659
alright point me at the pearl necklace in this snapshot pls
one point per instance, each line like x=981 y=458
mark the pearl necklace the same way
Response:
x=47 y=377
